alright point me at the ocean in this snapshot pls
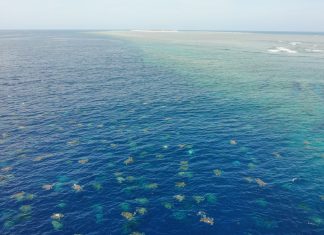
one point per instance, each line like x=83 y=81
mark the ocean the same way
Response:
x=157 y=133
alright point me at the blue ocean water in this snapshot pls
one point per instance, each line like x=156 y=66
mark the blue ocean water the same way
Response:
x=161 y=133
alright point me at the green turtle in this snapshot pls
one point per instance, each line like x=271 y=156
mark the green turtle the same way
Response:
x=129 y=160
x=6 y=169
x=57 y=225
x=184 y=165
x=25 y=209
x=57 y=216
x=181 y=146
x=47 y=186
x=179 y=197
x=120 y=179
x=141 y=210
x=276 y=155
x=248 y=179
x=260 y=182
x=73 y=142
x=167 y=205
x=18 y=196
x=207 y=220
x=233 y=142
x=151 y=186
x=142 y=200
x=198 y=199
x=137 y=233
x=127 y=215
x=217 y=172
x=180 y=184
x=77 y=187
x=83 y=161
x=97 y=186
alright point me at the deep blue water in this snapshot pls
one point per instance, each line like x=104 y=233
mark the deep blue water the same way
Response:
x=200 y=124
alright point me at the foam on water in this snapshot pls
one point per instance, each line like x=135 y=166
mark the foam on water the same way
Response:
x=314 y=50
x=295 y=43
x=154 y=31
x=282 y=50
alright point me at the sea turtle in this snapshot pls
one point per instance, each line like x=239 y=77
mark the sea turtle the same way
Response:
x=184 y=165
x=130 y=178
x=97 y=186
x=83 y=161
x=137 y=233
x=120 y=179
x=18 y=196
x=167 y=205
x=5 y=135
x=25 y=209
x=141 y=210
x=261 y=202
x=142 y=200
x=198 y=199
x=316 y=220
x=159 y=156
x=57 y=225
x=127 y=215
x=8 y=224
x=218 y=172
x=151 y=186
x=204 y=218
x=3 y=178
x=43 y=157
x=211 y=198
x=181 y=146
x=180 y=184
x=233 y=142
x=248 y=179
x=129 y=160
x=185 y=174
x=39 y=158
x=118 y=174
x=276 y=155
x=29 y=196
x=113 y=145
x=73 y=142
x=179 y=197
x=57 y=216
x=77 y=187
x=306 y=142
x=207 y=220
x=47 y=186
x=260 y=182
x=6 y=169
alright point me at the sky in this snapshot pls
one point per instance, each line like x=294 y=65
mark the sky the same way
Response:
x=255 y=15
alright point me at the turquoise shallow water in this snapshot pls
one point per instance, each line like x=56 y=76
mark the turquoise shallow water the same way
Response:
x=161 y=133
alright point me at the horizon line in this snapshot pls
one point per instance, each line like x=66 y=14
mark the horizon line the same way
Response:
x=180 y=30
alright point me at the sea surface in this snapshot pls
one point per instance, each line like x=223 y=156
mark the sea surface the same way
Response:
x=161 y=133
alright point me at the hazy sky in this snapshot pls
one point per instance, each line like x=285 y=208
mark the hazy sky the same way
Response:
x=277 y=15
